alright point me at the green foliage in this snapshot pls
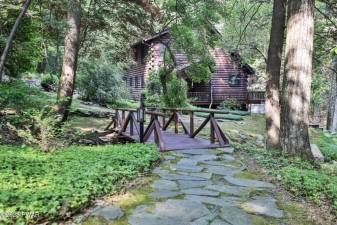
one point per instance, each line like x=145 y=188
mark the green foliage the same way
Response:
x=328 y=145
x=101 y=82
x=300 y=177
x=176 y=90
x=16 y=95
x=26 y=49
x=176 y=93
x=229 y=104
x=62 y=182
x=49 y=82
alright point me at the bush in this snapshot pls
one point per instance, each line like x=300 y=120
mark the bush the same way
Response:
x=56 y=184
x=49 y=82
x=176 y=93
x=229 y=104
x=102 y=83
x=328 y=146
x=20 y=97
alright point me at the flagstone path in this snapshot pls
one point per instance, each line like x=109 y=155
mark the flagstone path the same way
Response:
x=201 y=187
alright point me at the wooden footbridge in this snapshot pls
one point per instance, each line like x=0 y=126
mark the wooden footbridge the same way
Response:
x=170 y=129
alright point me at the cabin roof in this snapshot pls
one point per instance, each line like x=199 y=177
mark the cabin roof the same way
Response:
x=150 y=38
x=182 y=60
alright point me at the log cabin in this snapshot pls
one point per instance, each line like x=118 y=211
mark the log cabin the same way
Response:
x=229 y=79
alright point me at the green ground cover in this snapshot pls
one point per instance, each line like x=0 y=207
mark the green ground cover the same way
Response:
x=56 y=184
x=315 y=182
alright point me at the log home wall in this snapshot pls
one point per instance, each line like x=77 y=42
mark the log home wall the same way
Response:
x=220 y=87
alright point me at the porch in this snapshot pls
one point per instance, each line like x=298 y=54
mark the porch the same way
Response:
x=205 y=98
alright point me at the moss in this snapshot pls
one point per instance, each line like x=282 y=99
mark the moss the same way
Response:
x=295 y=214
x=248 y=175
x=96 y=220
x=259 y=220
x=135 y=197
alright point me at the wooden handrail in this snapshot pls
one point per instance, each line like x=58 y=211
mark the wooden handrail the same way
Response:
x=173 y=114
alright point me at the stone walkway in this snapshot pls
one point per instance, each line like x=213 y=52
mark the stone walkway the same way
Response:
x=201 y=187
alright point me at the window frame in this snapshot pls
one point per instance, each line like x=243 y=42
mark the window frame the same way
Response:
x=237 y=82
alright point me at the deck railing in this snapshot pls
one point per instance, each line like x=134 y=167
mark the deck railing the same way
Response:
x=256 y=96
x=125 y=118
x=246 y=97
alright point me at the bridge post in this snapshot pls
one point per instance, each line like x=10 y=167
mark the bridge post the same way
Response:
x=176 y=122
x=116 y=119
x=191 y=123
x=212 y=135
x=131 y=124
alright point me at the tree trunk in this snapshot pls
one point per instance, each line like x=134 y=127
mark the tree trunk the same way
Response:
x=11 y=36
x=332 y=111
x=71 y=48
x=297 y=80
x=274 y=62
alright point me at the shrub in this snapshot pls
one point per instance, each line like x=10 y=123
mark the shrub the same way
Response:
x=49 y=82
x=229 y=104
x=57 y=184
x=328 y=146
x=102 y=83
x=176 y=93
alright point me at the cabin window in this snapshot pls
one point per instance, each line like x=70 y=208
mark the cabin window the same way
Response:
x=130 y=82
x=234 y=80
x=136 y=82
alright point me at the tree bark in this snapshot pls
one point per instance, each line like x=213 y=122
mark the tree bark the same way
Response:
x=297 y=80
x=332 y=110
x=11 y=36
x=274 y=62
x=69 y=67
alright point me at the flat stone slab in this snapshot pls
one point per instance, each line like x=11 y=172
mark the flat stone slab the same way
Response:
x=201 y=158
x=186 y=168
x=183 y=184
x=219 y=201
x=181 y=177
x=205 y=175
x=228 y=150
x=110 y=212
x=222 y=170
x=219 y=222
x=248 y=182
x=187 y=162
x=170 y=212
x=231 y=190
x=206 y=219
x=215 y=163
x=265 y=206
x=169 y=157
x=227 y=158
x=198 y=152
x=235 y=216
x=165 y=185
x=200 y=192
x=165 y=194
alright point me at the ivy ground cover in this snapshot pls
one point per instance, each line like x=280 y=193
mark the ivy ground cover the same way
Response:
x=37 y=186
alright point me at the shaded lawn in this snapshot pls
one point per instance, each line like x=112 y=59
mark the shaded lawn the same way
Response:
x=56 y=184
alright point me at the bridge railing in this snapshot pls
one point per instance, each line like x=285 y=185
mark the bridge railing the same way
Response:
x=160 y=121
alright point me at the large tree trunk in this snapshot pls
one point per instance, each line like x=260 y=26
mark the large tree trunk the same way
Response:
x=274 y=62
x=332 y=110
x=11 y=36
x=297 y=81
x=69 y=67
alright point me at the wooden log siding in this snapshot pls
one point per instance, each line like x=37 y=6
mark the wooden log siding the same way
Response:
x=221 y=89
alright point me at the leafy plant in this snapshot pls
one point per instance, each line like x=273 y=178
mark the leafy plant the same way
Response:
x=57 y=184
x=101 y=82
x=49 y=82
x=229 y=104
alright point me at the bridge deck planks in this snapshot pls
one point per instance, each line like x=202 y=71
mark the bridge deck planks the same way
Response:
x=180 y=141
